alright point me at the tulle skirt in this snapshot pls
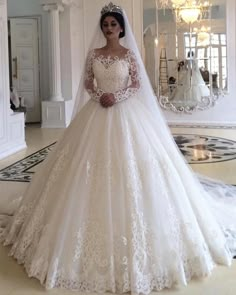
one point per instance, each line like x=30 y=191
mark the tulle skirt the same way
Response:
x=191 y=88
x=115 y=208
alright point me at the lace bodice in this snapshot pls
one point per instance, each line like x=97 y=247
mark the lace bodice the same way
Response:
x=111 y=75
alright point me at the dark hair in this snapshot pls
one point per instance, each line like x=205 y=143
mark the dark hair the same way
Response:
x=118 y=17
x=180 y=65
x=191 y=54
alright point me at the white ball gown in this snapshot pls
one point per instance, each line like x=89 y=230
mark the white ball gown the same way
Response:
x=191 y=86
x=116 y=208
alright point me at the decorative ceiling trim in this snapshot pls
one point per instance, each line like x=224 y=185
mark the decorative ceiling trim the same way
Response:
x=55 y=6
x=76 y=3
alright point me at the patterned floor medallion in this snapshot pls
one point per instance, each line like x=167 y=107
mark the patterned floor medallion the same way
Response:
x=204 y=149
x=22 y=170
x=197 y=149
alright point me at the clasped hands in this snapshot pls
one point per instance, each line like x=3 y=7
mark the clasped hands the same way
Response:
x=107 y=100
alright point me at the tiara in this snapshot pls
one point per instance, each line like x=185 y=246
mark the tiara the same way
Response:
x=111 y=8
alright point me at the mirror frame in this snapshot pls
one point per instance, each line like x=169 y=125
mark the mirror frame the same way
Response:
x=231 y=47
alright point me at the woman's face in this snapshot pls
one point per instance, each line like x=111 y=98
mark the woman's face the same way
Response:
x=111 y=28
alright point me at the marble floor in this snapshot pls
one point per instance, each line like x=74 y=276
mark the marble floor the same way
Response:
x=211 y=152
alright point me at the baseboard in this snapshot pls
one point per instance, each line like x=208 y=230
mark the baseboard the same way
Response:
x=12 y=150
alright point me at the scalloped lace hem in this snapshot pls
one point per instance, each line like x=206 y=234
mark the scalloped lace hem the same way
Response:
x=141 y=284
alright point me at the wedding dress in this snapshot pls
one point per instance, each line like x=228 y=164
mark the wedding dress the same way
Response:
x=191 y=86
x=115 y=207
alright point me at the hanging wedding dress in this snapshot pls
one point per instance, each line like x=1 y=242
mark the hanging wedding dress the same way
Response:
x=115 y=207
x=191 y=88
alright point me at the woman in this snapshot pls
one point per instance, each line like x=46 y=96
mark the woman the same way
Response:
x=115 y=207
x=191 y=86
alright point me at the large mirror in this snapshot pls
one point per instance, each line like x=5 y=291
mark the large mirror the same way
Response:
x=185 y=48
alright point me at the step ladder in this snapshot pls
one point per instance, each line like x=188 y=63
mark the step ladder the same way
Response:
x=163 y=73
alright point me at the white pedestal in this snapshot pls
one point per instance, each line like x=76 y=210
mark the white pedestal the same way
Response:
x=56 y=114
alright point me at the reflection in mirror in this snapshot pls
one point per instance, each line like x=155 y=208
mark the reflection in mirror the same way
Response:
x=185 y=52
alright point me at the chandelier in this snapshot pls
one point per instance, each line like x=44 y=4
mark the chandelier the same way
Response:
x=203 y=35
x=189 y=14
x=188 y=11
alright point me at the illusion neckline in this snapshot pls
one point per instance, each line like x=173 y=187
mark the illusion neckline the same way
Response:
x=111 y=58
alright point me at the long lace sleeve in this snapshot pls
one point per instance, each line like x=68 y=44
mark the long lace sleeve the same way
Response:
x=134 y=86
x=94 y=92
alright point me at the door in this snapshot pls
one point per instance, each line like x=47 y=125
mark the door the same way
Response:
x=25 y=64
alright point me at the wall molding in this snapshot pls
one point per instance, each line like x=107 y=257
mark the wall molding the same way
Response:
x=12 y=134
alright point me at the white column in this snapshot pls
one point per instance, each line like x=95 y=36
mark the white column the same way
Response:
x=54 y=46
x=56 y=111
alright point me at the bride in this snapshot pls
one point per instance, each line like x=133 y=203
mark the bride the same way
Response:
x=191 y=86
x=115 y=207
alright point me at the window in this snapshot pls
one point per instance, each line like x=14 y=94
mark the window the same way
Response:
x=216 y=49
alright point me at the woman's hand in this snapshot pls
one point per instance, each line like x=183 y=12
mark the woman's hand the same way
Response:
x=107 y=100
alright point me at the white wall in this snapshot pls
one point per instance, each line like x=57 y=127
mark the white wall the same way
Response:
x=66 y=62
x=77 y=46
